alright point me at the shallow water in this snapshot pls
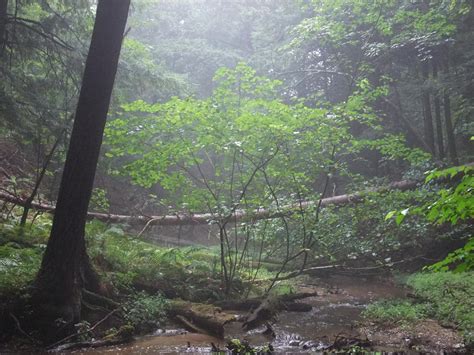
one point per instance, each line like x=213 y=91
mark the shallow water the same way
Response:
x=334 y=312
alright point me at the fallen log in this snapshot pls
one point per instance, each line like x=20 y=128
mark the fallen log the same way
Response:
x=283 y=302
x=181 y=219
x=201 y=318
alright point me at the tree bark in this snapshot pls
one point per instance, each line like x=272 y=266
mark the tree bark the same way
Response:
x=452 y=152
x=437 y=106
x=428 y=117
x=3 y=23
x=59 y=282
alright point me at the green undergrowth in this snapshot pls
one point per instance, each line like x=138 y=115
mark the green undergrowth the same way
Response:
x=21 y=251
x=445 y=296
x=133 y=264
x=127 y=264
x=145 y=312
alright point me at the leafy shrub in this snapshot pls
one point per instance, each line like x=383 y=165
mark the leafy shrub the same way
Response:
x=145 y=312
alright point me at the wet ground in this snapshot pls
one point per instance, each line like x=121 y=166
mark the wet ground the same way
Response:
x=335 y=314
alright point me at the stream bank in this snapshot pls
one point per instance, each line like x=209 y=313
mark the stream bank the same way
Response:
x=334 y=319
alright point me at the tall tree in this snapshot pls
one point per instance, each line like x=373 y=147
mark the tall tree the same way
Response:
x=59 y=283
x=437 y=105
x=427 y=116
x=3 y=22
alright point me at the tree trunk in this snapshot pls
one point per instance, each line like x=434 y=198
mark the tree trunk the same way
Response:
x=452 y=152
x=3 y=23
x=437 y=105
x=428 y=117
x=58 y=285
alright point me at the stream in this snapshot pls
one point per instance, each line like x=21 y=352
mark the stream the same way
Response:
x=335 y=312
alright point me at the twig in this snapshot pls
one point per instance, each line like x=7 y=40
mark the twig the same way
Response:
x=147 y=225
x=84 y=332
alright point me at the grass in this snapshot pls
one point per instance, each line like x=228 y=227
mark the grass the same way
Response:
x=450 y=295
x=445 y=296
x=399 y=312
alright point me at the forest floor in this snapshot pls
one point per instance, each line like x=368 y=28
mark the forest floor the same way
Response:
x=435 y=313
x=336 y=321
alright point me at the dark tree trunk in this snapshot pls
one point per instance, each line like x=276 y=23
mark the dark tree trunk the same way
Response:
x=452 y=152
x=3 y=22
x=437 y=106
x=428 y=117
x=59 y=283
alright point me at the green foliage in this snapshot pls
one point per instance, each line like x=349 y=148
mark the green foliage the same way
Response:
x=145 y=312
x=358 y=232
x=393 y=147
x=198 y=150
x=453 y=204
x=185 y=272
x=451 y=296
x=445 y=296
x=20 y=256
x=237 y=346
x=18 y=267
x=460 y=260
x=99 y=201
x=395 y=312
x=244 y=148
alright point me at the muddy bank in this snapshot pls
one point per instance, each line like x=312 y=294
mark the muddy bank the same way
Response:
x=334 y=319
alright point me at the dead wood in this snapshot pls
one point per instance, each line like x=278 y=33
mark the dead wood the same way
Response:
x=84 y=332
x=91 y=344
x=181 y=219
x=202 y=318
x=190 y=326
x=205 y=218
x=283 y=302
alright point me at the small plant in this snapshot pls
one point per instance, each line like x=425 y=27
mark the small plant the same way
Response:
x=145 y=312
x=237 y=346
x=398 y=312
x=99 y=201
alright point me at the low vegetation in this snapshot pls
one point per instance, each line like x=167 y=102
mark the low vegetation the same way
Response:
x=444 y=296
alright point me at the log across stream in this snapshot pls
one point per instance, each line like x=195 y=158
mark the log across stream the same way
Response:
x=335 y=313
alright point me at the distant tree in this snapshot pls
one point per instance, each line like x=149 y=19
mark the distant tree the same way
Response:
x=65 y=265
x=3 y=22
